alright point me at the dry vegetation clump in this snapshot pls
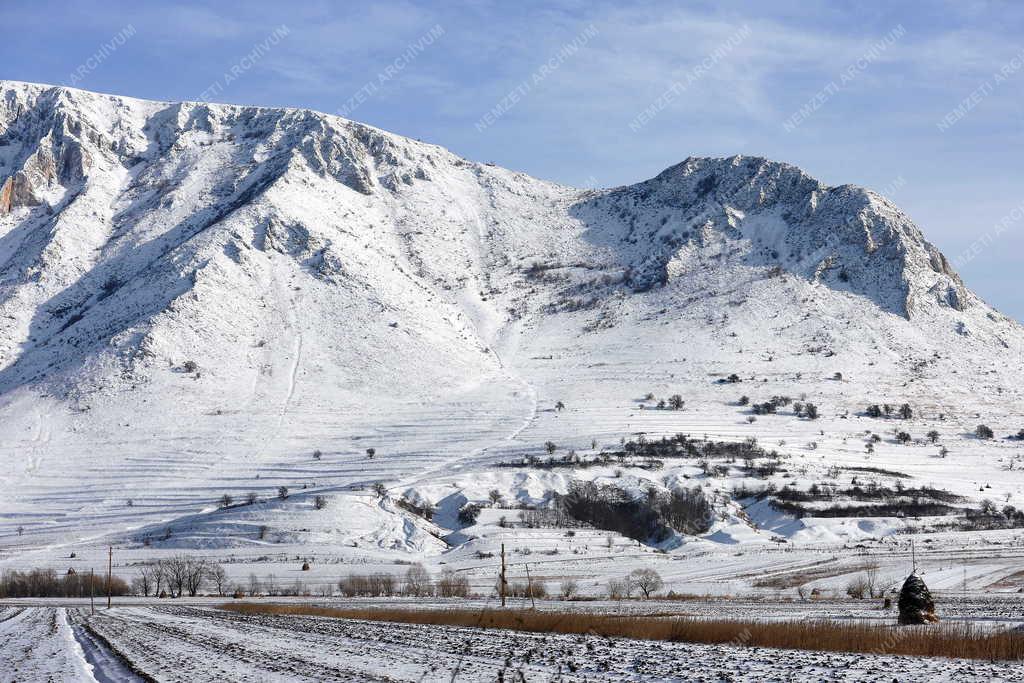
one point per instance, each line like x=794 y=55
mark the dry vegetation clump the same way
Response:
x=959 y=640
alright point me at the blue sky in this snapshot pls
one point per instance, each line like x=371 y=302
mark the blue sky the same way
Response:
x=920 y=100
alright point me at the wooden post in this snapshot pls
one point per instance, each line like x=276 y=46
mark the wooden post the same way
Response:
x=529 y=585
x=501 y=580
x=92 y=591
x=110 y=567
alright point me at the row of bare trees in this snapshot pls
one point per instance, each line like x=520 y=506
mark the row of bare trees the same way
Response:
x=643 y=580
x=47 y=583
x=187 y=575
x=417 y=582
x=380 y=584
x=178 y=575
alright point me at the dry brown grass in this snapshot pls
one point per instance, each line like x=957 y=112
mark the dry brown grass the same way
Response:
x=959 y=640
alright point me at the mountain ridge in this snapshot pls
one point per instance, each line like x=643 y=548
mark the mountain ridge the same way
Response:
x=215 y=291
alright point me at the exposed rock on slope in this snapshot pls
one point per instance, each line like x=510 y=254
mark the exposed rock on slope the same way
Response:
x=768 y=214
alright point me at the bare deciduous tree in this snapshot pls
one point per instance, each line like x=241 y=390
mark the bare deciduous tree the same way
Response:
x=871 y=581
x=219 y=578
x=176 y=572
x=417 y=581
x=195 y=574
x=647 y=580
x=144 y=582
x=159 y=578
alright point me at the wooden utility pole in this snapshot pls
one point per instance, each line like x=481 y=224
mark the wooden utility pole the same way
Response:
x=529 y=584
x=110 y=567
x=92 y=591
x=501 y=578
x=913 y=556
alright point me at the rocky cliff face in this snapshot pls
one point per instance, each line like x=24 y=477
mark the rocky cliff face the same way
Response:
x=773 y=215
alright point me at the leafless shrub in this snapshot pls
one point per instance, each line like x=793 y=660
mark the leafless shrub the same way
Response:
x=618 y=589
x=452 y=585
x=857 y=587
x=528 y=589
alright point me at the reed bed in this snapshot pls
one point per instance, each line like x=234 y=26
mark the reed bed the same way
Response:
x=958 y=640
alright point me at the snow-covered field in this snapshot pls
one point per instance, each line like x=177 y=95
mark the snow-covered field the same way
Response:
x=194 y=643
x=37 y=644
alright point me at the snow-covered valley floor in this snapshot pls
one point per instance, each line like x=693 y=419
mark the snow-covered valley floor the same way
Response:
x=186 y=642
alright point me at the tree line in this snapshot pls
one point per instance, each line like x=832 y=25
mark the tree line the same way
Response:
x=48 y=583
x=175 y=576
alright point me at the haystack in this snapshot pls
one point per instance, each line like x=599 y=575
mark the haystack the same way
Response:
x=915 y=603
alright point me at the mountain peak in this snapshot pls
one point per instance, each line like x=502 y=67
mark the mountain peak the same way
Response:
x=774 y=215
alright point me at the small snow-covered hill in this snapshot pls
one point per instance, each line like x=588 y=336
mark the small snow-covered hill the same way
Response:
x=199 y=300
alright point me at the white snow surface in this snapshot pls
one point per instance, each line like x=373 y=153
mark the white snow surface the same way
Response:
x=196 y=298
x=38 y=645
x=199 y=644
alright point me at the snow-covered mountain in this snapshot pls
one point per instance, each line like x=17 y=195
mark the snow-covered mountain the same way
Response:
x=195 y=298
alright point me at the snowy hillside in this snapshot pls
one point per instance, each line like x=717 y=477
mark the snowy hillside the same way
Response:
x=205 y=300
